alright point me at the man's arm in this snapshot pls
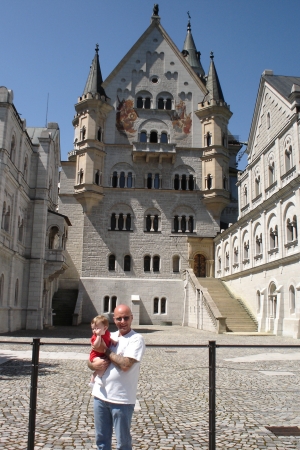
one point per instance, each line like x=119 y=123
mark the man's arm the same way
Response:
x=99 y=366
x=123 y=362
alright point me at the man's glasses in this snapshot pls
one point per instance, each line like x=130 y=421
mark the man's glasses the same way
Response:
x=119 y=319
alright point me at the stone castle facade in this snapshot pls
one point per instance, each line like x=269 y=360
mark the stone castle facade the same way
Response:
x=148 y=188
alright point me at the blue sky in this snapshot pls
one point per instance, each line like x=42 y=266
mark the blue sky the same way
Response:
x=47 y=48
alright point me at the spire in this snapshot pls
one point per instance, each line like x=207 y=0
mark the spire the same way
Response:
x=94 y=81
x=190 y=52
x=213 y=83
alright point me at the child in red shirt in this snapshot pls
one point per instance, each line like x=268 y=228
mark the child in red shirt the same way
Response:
x=100 y=331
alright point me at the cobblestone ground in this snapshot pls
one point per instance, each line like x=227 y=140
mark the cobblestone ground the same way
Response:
x=256 y=387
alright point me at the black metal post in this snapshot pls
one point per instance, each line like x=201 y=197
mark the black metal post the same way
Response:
x=33 y=392
x=212 y=395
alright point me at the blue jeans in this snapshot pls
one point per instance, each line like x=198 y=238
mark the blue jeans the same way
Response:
x=108 y=415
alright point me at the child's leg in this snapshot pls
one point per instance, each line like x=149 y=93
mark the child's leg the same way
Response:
x=94 y=374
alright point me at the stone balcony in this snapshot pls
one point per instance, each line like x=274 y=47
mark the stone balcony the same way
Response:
x=154 y=151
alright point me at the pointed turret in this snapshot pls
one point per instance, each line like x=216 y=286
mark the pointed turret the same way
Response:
x=213 y=84
x=190 y=52
x=94 y=81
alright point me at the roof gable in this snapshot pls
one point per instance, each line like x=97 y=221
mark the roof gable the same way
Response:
x=155 y=25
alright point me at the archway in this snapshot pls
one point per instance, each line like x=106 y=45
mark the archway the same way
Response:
x=200 y=265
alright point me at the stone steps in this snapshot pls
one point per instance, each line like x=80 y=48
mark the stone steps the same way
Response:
x=63 y=305
x=237 y=317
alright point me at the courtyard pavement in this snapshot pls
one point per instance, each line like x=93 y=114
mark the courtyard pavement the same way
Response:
x=256 y=388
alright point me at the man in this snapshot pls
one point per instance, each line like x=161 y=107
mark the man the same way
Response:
x=115 y=393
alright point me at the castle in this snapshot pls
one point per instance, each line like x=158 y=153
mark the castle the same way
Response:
x=143 y=198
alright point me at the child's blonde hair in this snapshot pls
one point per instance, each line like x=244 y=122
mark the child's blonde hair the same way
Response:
x=101 y=319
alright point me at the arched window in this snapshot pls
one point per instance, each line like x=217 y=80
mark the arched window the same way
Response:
x=153 y=137
x=272 y=301
x=147 y=103
x=160 y=103
x=99 y=134
x=292 y=233
x=156 y=263
x=163 y=305
x=113 y=222
x=17 y=292
x=128 y=222
x=147 y=263
x=258 y=301
x=191 y=182
x=83 y=133
x=113 y=303
x=139 y=102
x=176 y=182
x=1 y=288
x=149 y=181
x=152 y=222
x=246 y=249
x=143 y=136
x=115 y=180
x=176 y=224
x=245 y=195
x=3 y=215
x=169 y=104
x=183 y=224
x=120 y=222
x=176 y=263
x=97 y=177
x=271 y=173
x=122 y=179
x=257 y=185
x=191 y=224
x=80 y=176
x=12 y=148
x=292 y=299
x=106 y=304
x=183 y=182
x=112 y=262
x=258 y=241
x=20 y=229
x=127 y=263
x=129 y=180
x=53 y=242
x=273 y=237
x=25 y=167
x=268 y=120
x=209 y=181
x=208 y=139
x=164 y=138
x=236 y=255
x=156 y=181
x=288 y=158
x=159 y=305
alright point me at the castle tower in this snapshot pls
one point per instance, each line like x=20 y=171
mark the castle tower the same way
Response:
x=191 y=54
x=214 y=114
x=91 y=112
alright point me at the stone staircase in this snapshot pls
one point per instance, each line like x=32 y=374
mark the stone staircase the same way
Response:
x=63 y=305
x=238 y=319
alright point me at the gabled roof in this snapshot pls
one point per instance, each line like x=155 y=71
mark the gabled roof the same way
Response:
x=94 y=81
x=190 y=52
x=213 y=84
x=156 y=24
x=282 y=84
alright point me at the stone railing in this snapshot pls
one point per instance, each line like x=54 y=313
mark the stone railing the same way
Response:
x=207 y=315
x=77 y=315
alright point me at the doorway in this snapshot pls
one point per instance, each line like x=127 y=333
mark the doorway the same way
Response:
x=200 y=265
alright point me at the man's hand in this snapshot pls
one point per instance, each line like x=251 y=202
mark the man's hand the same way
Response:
x=99 y=366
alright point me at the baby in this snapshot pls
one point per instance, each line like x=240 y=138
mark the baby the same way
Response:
x=100 y=331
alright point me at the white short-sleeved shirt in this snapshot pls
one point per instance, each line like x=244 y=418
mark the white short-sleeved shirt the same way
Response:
x=117 y=386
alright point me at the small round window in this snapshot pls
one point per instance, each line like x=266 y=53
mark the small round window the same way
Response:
x=154 y=80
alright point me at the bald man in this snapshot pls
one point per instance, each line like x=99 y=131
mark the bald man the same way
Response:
x=115 y=392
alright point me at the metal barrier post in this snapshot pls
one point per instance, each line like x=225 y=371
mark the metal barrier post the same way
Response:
x=33 y=392
x=212 y=395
